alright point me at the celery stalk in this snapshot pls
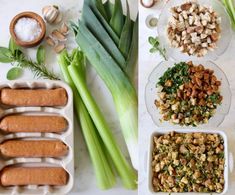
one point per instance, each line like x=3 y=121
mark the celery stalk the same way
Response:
x=127 y=174
x=123 y=92
x=104 y=174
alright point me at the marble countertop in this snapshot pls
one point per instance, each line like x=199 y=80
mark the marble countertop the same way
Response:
x=85 y=183
x=147 y=62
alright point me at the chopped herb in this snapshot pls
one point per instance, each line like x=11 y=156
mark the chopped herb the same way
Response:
x=178 y=75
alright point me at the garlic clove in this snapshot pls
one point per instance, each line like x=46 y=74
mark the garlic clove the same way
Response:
x=59 y=18
x=50 y=41
x=64 y=29
x=50 y=13
x=58 y=35
x=59 y=48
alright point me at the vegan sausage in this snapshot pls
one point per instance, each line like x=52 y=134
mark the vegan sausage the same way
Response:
x=33 y=148
x=26 y=123
x=34 y=97
x=20 y=176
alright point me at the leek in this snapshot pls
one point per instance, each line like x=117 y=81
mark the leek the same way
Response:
x=132 y=57
x=122 y=90
x=100 y=7
x=103 y=21
x=117 y=19
x=108 y=6
x=90 y=20
x=103 y=171
x=126 y=35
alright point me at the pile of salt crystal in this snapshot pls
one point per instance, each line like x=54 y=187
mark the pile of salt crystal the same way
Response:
x=27 y=29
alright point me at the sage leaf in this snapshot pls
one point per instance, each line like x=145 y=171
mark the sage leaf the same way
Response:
x=5 y=55
x=13 y=46
x=41 y=55
x=14 y=73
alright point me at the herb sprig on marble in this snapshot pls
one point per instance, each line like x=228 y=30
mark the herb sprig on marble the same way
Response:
x=156 y=47
x=14 y=55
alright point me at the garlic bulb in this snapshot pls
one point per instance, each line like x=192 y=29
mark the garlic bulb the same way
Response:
x=51 y=13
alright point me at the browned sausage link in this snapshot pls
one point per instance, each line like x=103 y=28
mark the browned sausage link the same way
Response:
x=34 y=97
x=25 y=123
x=12 y=176
x=33 y=148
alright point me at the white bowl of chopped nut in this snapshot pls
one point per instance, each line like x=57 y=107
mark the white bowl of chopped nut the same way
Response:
x=194 y=29
x=195 y=93
x=188 y=161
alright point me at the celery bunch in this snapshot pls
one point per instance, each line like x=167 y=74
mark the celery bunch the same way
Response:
x=97 y=134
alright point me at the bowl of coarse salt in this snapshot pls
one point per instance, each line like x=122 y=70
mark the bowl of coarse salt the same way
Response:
x=28 y=29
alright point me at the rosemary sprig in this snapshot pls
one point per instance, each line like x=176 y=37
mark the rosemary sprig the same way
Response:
x=156 y=47
x=15 y=56
x=39 y=70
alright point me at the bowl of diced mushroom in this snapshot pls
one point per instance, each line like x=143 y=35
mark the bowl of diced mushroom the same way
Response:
x=194 y=29
x=188 y=161
x=193 y=93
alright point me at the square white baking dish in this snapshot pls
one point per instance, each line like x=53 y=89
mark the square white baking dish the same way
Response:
x=165 y=131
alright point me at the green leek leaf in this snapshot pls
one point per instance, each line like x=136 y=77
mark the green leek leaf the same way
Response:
x=103 y=21
x=126 y=35
x=133 y=53
x=109 y=9
x=117 y=19
x=98 y=30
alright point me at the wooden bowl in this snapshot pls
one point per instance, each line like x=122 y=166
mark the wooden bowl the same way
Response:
x=28 y=15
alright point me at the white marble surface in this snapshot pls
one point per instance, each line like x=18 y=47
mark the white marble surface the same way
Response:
x=147 y=62
x=84 y=175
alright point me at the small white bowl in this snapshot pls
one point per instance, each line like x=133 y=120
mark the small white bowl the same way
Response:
x=228 y=159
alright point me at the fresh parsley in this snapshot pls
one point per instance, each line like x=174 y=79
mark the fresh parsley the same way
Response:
x=156 y=47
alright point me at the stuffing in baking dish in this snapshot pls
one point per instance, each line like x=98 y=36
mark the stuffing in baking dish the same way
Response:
x=188 y=162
